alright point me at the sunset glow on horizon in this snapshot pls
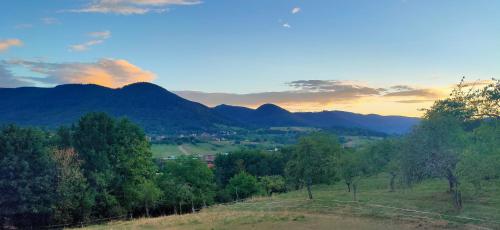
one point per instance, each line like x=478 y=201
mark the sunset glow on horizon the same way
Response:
x=388 y=57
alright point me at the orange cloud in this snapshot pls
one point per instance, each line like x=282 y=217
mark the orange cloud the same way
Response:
x=7 y=43
x=105 y=72
x=319 y=95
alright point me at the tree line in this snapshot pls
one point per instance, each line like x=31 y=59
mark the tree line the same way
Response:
x=103 y=167
x=458 y=140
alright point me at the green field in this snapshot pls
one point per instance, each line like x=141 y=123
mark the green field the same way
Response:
x=203 y=148
x=424 y=206
x=165 y=150
x=215 y=147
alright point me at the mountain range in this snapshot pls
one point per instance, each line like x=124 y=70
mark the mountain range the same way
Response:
x=159 y=111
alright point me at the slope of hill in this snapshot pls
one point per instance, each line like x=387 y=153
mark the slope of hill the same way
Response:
x=269 y=115
x=425 y=206
x=153 y=107
x=385 y=124
x=160 y=111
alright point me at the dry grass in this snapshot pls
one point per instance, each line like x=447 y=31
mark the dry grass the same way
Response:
x=269 y=220
x=333 y=208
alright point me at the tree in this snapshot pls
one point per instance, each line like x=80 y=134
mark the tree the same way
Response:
x=74 y=201
x=351 y=168
x=273 y=184
x=147 y=194
x=243 y=185
x=133 y=164
x=481 y=156
x=443 y=145
x=255 y=162
x=382 y=156
x=195 y=177
x=116 y=162
x=93 y=140
x=27 y=177
x=313 y=160
x=432 y=149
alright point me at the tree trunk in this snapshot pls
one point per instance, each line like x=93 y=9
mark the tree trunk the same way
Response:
x=354 y=190
x=348 y=187
x=451 y=181
x=192 y=206
x=391 y=183
x=147 y=209
x=458 y=199
x=308 y=185
x=180 y=208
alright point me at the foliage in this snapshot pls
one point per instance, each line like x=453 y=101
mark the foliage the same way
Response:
x=187 y=180
x=117 y=161
x=273 y=184
x=243 y=185
x=27 y=177
x=313 y=160
x=74 y=201
x=458 y=139
x=254 y=162
x=433 y=149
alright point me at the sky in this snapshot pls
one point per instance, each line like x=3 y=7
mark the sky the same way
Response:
x=390 y=57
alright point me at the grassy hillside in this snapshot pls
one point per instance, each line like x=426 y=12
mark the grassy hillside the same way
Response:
x=425 y=206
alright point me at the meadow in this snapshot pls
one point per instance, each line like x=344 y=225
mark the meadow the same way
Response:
x=424 y=206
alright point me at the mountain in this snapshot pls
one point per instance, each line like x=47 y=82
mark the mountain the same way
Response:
x=385 y=124
x=269 y=115
x=159 y=111
x=151 y=106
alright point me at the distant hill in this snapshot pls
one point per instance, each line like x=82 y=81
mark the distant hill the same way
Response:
x=153 y=107
x=385 y=124
x=160 y=111
x=269 y=115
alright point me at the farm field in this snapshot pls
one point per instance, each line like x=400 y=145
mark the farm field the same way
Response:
x=425 y=206
x=165 y=150
x=214 y=147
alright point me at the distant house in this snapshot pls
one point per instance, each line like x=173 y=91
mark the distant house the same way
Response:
x=209 y=159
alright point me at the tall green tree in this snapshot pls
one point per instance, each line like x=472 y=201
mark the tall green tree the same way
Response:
x=273 y=184
x=313 y=160
x=27 y=177
x=433 y=149
x=196 y=179
x=116 y=162
x=481 y=157
x=255 y=162
x=74 y=202
x=243 y=185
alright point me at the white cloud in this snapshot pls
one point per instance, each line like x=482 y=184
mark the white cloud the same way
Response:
x=50 y=21
x=296 y=10
x=286 y=25
x=129 y=7
x=23 y=26
x=8 y=80
x=101 y=34
x=100 y=37
x=105 y=72
x=7 y=43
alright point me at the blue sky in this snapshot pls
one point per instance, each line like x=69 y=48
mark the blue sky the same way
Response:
x=257 y=46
